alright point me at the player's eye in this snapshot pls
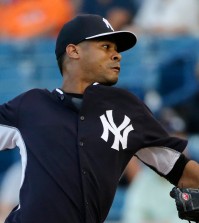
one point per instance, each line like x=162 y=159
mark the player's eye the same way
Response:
x=106 y=46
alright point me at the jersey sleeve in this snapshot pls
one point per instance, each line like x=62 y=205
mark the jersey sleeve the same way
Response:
x=161 y=151
x=10 y=136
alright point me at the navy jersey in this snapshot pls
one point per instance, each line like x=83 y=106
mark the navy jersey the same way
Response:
x=73 y=158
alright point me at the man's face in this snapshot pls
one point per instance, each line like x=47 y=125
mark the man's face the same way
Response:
x=100 y=61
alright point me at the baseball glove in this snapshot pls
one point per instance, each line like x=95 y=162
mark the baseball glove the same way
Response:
x=187 y=203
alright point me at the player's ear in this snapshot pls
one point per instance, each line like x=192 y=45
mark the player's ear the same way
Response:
x=72 y=51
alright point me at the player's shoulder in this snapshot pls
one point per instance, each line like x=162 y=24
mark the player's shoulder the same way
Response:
x=29 y=96
x=114 y=92
x=36 y=92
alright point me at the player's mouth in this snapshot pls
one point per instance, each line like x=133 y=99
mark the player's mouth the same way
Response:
x=116 y=68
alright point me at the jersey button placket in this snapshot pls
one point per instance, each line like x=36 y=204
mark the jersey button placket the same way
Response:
x=81 y=144
x=82 y=118
x=86 y=204
x=84 y=172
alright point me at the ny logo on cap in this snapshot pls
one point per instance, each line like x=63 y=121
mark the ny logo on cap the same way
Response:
x=108 y=24
x=109 y=125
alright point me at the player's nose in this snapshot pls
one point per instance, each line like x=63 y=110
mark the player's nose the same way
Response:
x=116 y=56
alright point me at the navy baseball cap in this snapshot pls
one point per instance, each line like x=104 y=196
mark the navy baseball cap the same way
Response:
x=90 y=26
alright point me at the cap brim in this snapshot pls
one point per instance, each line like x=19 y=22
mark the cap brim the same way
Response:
x=123 y=39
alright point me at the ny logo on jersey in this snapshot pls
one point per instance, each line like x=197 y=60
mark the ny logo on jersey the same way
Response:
x=107 y=24
x=109 y=125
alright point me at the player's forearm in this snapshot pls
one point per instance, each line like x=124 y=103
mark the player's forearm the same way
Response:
x=190 y=176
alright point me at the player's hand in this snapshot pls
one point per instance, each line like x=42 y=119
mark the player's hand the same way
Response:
x=187 y=203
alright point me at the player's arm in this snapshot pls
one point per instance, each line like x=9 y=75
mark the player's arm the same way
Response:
x=190 y=175
x=9 y=132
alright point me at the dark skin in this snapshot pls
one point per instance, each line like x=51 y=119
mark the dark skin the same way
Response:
x=99 y=61
x=89 y=62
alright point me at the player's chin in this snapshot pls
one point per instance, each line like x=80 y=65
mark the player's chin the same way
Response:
x=110 y=78
x=111 y=81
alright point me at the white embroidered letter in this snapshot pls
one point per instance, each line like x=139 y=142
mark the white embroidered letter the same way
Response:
x=108 y=24
x=109 y=125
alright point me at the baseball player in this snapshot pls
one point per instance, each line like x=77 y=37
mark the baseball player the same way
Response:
x=76 y=141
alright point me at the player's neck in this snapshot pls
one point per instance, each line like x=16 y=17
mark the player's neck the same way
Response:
x=73 y=86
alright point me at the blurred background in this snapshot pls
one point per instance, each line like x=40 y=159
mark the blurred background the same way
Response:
x=162 y=69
